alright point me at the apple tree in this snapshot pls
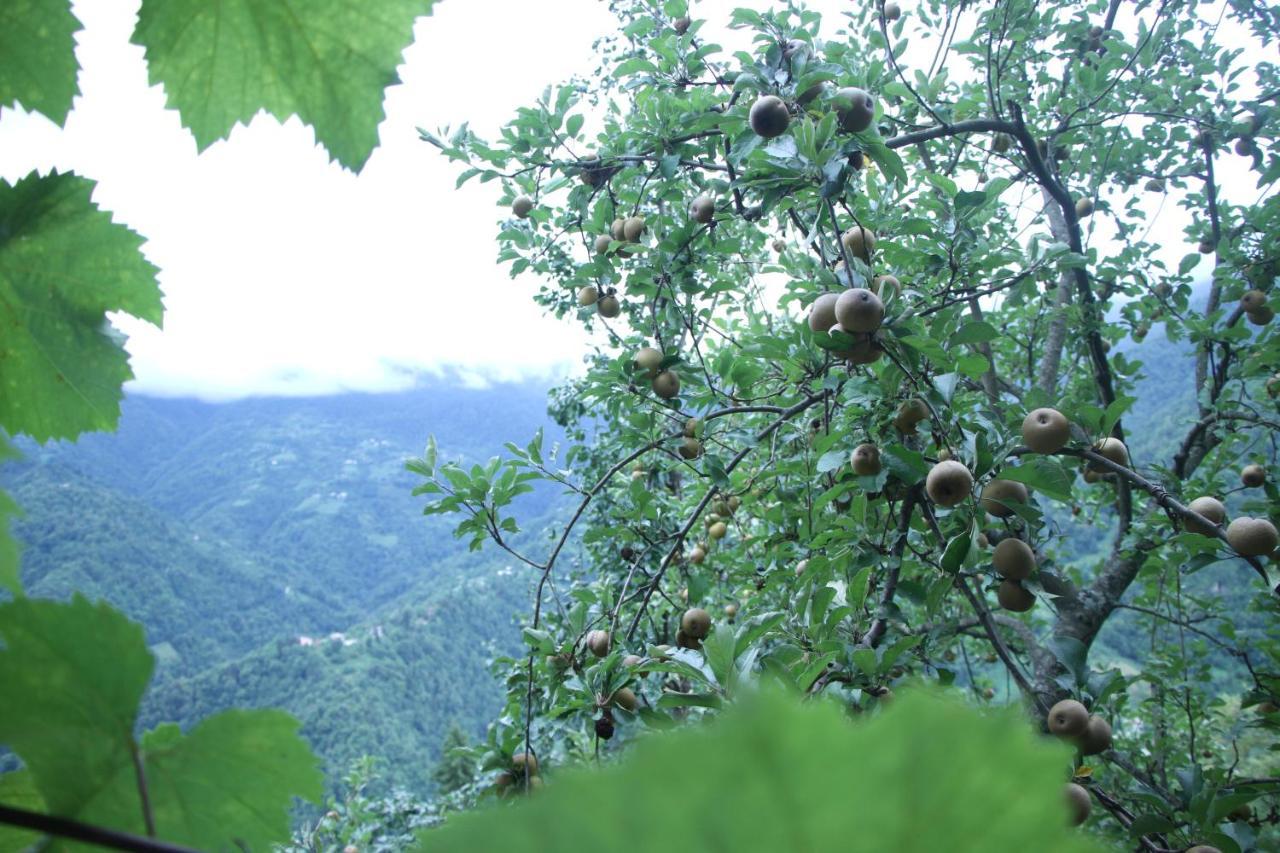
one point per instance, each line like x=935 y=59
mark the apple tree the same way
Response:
x=871 y=299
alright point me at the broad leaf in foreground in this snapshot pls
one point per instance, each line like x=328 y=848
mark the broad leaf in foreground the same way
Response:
x=19 y=791
x=63 y=265
x=772 y=775
x=81 y=669
x=328 y=62
x=10 y=578
x=37 y=56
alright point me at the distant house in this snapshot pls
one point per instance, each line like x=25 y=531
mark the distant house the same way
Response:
x=306 y=641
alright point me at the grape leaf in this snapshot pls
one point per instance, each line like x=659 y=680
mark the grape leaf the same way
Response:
x=19 y=791
x=63 y=265
x=773 y=774
x=232 y=778
x=37 y=56
x=81 y=669
x=10 y=579
x=326 y=61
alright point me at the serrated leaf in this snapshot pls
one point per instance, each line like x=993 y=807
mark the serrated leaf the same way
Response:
x=63 y=266
x=37 y=56
x=81 y=670
x=328 y=63
x=778 y=775
x=231 y=781
x=18 y=790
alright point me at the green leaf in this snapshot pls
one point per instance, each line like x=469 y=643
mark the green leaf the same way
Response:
x=973 y=365
x=777 y=775
x=831 y=460
x=328 y=62
x=957 y=549
x=974 y=332
x=81 y=669
x=10 y=577
x=19 y=791
x=231 y=781
x=63 y=266
x=37 y=56
x=906 y=464
x=1047 y=476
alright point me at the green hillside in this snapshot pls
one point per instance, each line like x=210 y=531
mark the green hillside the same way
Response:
x=390 y=687
x=83 y=536
x=230 y=531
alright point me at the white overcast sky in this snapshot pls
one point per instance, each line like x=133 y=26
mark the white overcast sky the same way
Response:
x=284 y=273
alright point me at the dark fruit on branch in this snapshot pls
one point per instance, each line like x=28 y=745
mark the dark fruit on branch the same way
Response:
x=1261 y=316
x=892 y=11
x=609 y=307
x=588 y=296
x=860 y=241
x=696 y=623
x=822 y=313
x=525 y=763
x=1096 y=738
x=1253 y=300
x=1014 y=559
x=604 y=728
x=948 y=483
x=855 y=108
x=702 y=209
x=1078 y=804
x=1084 y=207
x=1210 y=508
x=769 y=117
x=1253 y=476
x=998 y=495
x=1252 y=537
x=522 y=206
x=632 y=228
x=666 y=384
x=599 y=643
x=690 y=448
x=910 y=413
x=625 y=698
x=1068 y=718
x=1114 y=450
x=648 y=359
x=859 y=310
x=1046 y=430
x=1015 y=597
x=681 y=24
x=866 y=460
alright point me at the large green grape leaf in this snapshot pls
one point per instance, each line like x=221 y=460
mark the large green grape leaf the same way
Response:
x=327 y=61
x=228 y=784
x=63 y=265
x=926 y=775
x=18 y=791
x=10 y=579
x=37 y=56
x=80 y=670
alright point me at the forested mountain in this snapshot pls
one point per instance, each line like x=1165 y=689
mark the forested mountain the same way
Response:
x=236 y=532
